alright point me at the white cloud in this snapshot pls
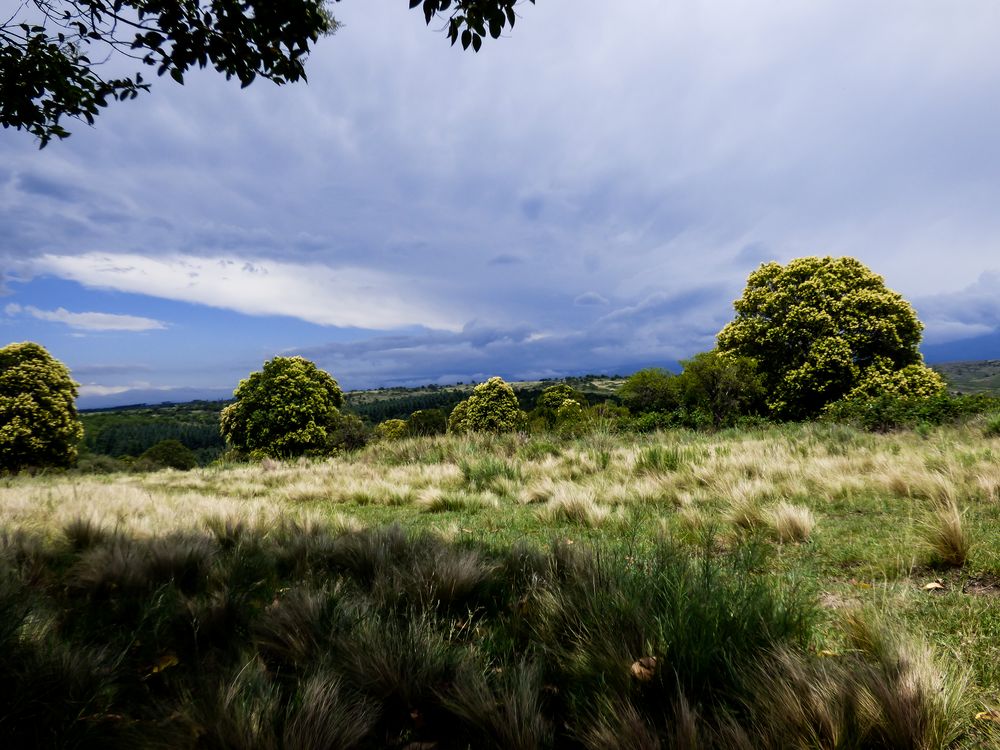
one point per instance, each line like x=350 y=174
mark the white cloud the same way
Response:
x=88 y=321
x=93 y=389
x=345 y=296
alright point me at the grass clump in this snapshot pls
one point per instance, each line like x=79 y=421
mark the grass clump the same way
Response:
x=945 y=537
x=790 y=523
x=489 y=474
x=885 y=690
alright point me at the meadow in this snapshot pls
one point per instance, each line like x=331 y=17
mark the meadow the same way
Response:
x=790 y=586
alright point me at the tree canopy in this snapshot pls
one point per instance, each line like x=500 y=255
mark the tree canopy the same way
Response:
x=818 y=328
x=288 y=408
x=51 y=50
x=39 y=425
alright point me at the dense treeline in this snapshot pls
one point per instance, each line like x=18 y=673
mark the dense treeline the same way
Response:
x=446 y=400
x=403 y=406
x=132 y=431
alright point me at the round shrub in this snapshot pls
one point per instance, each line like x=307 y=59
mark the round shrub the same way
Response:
x=289 y=408
x=391 y=429
x=492 y=407
x=172 y=454
x=427 y=422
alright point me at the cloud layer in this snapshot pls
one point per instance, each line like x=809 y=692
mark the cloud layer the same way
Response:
x=592 y=189
x=87 y=321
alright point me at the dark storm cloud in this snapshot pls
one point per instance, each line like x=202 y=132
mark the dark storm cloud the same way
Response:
x=970 y=312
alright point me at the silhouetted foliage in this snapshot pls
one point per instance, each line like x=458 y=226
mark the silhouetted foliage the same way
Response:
x=425 y=422
x=51 y=50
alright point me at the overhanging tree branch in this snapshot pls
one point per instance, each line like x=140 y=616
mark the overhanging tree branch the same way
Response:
x=47 y=73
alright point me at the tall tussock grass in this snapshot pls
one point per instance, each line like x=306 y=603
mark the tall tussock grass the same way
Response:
x=295 y=636
x=884 y=691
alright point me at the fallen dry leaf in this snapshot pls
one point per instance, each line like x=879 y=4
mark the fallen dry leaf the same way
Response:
x=644 y=668
x=934 y=586
x=164 y=662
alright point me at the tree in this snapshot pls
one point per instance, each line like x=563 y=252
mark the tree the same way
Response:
x=816 y=327
x=39 y=425
x=652 y=389
x=457 y=419
x=492 y=407
x=722 y=386
x=288 y=408
x=50 y=50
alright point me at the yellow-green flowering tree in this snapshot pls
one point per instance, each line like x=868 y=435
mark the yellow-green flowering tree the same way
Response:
x=289 y=408
x=570 y=418
x=457 y=418
x=39 y=425
x=492 y=407
x=817 y=327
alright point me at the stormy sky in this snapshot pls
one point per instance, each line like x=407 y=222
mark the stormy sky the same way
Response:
x=587 y=194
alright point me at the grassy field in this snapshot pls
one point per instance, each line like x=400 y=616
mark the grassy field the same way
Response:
x=870 y=552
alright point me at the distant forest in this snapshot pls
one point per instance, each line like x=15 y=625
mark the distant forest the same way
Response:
x=130 y=431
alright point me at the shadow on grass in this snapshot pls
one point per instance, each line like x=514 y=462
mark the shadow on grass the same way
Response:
x=300 y=637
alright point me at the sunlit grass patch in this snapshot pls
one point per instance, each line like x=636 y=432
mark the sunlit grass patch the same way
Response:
x=945 y=536
x=574 y=505
x=790 y=523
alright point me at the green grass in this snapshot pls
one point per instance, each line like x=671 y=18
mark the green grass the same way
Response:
x=122 y=555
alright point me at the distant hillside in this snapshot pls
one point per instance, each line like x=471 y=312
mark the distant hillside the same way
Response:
x=980 y=376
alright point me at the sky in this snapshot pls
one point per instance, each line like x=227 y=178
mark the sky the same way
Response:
x=586 y=194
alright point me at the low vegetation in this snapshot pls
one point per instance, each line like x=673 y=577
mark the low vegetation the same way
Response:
x=533 y=592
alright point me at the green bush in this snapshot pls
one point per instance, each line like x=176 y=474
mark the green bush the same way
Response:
x=717 y=389
x=391 y=429
x=289 y=408
x=890 y=412
x=426 y=422
x=349 y=433
x=650 y=390
x=39 y=425
x=570 y=419
x=171 y=454
x=551 y=399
